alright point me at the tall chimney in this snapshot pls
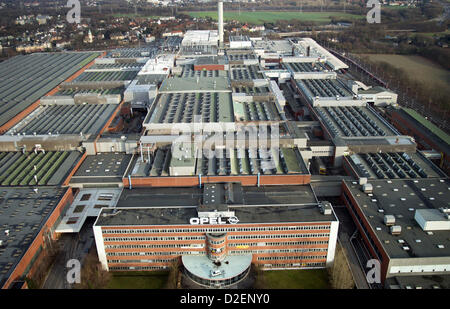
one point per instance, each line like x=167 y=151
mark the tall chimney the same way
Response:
x=220 y=13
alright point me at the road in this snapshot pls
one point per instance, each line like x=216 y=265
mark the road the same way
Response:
x=73 y=246
x=346 y=229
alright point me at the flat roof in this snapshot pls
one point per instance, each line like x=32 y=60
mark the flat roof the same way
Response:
x=245 y=72
x=36 y=168
x=165 y=206
x=65 y=119
x=401 y=198
x=23 y=212
x=102 y=168
x=428 y=128
x=160 y=197
x=419 y=282
x=183 y=107
x=202 y=266
x=302 y=67
x=25 y=79
x=188 y=72
x=195 y=84
x=354 y=121
x=239 y=38
x=394 y=165
x=323 y=88
x=275 y=46
x=230 y=162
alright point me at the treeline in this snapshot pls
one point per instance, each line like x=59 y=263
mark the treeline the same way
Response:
x=438 y=100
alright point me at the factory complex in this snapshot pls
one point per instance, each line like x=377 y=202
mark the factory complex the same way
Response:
x=217 y=153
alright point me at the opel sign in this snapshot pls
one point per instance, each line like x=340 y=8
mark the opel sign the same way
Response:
x=213 y=220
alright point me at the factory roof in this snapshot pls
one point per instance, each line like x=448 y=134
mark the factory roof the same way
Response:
x=401 y=198
x=102 y=168
x=148 y=51
x=65 y=119
x=189 y=72
x=305 y=66
x=230 y=162
x=351 y=121
x=318 y=51
x=419 y=282
x=427 y=127
x=183 y=107
x=200 y=37
x=36 y=168
x=150 y=79
x=133 y=66
x=211 y=60
x=323 y=88
x=394 y=165
x=25 y=79
x=106 y=76
x=195 y=84
x=23 y=213
x=274 y=46
x=160 y=206
x=239 y=38
x=245 y=72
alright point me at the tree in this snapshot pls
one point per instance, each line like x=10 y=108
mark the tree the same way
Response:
x=93 y=276
x=260 y=279
x=340 y=274
x=174 y=271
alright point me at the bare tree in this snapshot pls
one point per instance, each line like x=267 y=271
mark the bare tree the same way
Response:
x=93 y=276
x=174 y=271
x=260 y=279
x=340 y=274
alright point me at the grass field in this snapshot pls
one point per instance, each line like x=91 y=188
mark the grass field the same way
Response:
x=138 y=280
x=417 y=68
x=258 y=17
x=297 y=279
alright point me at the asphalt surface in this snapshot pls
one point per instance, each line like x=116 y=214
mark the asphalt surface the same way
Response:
x=73 y=246
x=346 y=229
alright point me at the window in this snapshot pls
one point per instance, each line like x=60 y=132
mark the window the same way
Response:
x=85 y=197
x=79 y=208
x=72 y=220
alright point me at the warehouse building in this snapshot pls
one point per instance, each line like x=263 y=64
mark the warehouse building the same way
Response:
x=37 y=168
x=404 y=223
x=25 y=79
x=83 y=119
x=391 y=165
x=217 y=231
x=27 y=221
x=102 y=169
x=427 y=135
x=240 y=42
x=200 y=42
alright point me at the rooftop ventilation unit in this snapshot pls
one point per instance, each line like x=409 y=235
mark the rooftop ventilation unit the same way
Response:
x=389 y=220
x=367 y=188
x=396 y=230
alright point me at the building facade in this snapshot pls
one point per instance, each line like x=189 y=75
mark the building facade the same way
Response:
x=218 y=236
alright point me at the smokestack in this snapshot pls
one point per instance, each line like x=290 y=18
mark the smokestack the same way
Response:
x=220 y=13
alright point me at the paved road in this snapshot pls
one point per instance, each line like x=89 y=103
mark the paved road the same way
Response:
x=346 y=229
x=73 y=246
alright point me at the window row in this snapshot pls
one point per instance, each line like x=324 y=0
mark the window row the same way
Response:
x=278 y=236
x=217 y=230
x=301 y=257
